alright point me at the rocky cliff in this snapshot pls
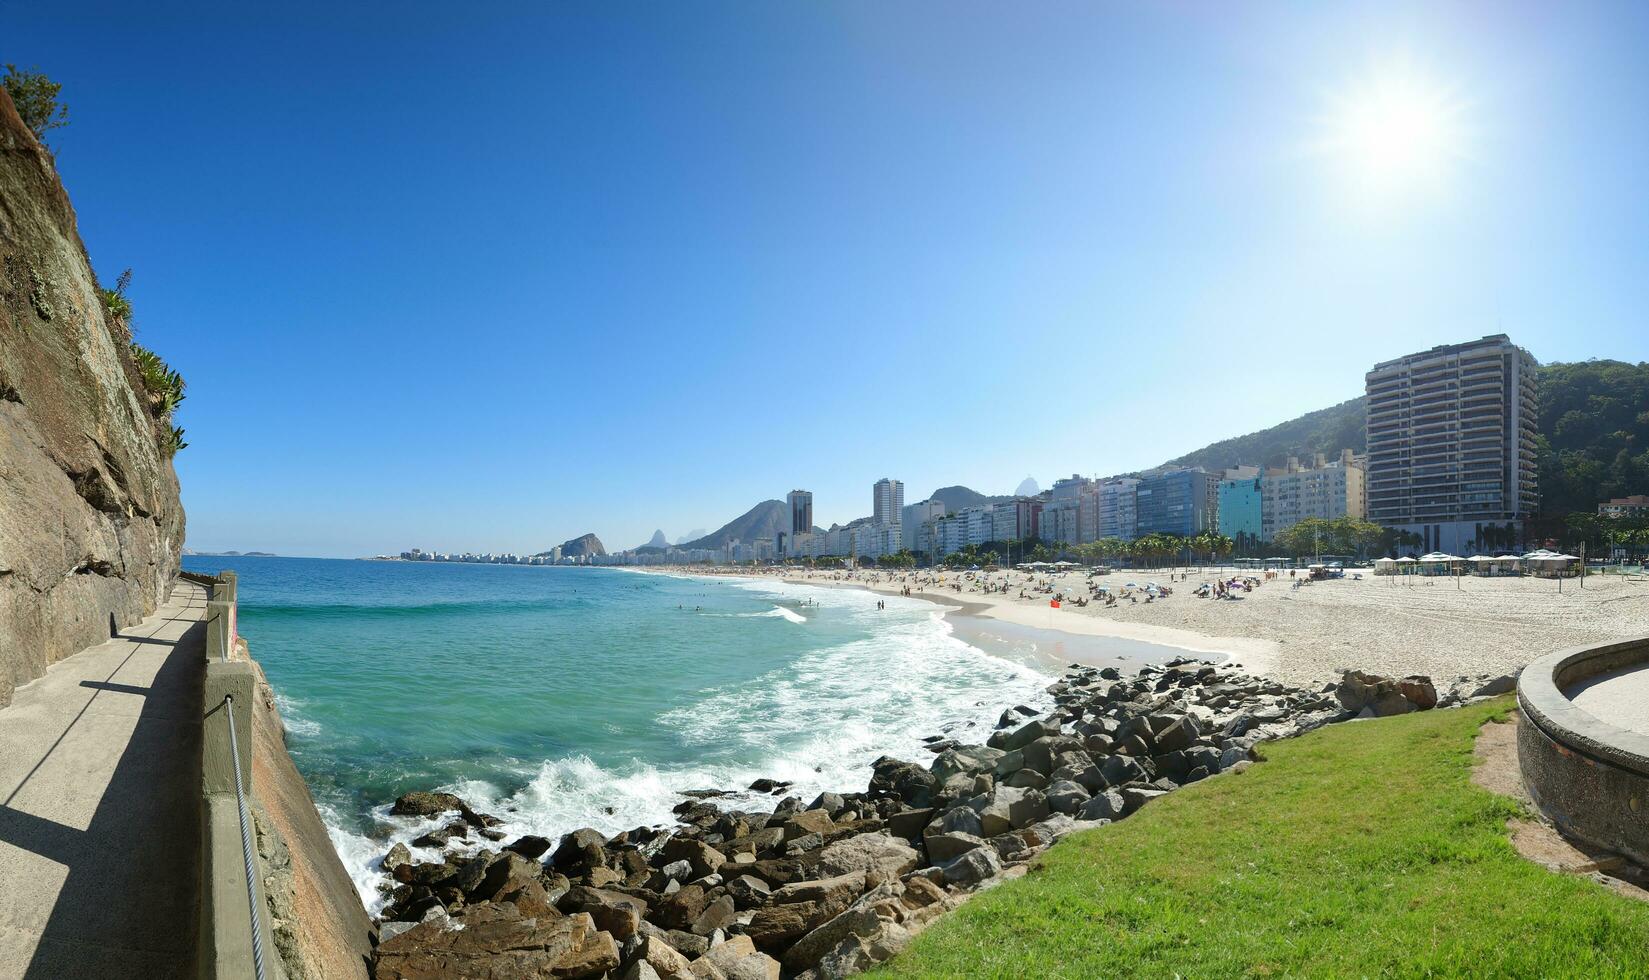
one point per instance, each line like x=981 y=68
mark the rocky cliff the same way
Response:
x=90 y=521
x=586 y=544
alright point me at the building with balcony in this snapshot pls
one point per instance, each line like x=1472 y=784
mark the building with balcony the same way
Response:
x=1451 y=443
x=887 y=500
x=1324 y=490
x=1117 y=509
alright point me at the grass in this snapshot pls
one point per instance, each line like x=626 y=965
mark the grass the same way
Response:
x=1358 y=850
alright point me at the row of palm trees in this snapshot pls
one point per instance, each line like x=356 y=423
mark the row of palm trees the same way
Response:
x=1155 y=548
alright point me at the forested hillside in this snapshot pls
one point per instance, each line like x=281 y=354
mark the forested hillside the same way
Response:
x=1594 y=433
x=1593 y=444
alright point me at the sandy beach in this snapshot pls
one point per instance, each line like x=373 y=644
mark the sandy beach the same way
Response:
x=1434 y=626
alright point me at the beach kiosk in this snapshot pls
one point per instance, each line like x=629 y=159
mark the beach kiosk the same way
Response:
x=1491 y=565
x=1385 y=566
x=1438 y=563
x=1550 y=564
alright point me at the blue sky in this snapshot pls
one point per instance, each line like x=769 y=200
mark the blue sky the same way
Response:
x=490 y=276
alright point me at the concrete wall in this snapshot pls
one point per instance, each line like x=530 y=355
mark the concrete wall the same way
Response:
x=1589 y=776
x=312 y=923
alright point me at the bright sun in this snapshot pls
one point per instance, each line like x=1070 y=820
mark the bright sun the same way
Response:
x=1396 y=131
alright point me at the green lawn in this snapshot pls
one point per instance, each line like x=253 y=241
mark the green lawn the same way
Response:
x=1358 y=850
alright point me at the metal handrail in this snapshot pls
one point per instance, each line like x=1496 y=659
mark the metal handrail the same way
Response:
x=245 y=841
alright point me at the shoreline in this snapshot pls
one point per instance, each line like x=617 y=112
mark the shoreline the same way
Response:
x=1290 y=630
x=1059 y=627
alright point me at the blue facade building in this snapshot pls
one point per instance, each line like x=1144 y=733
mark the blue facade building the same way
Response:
x=1240 y=510
x=1182 y=502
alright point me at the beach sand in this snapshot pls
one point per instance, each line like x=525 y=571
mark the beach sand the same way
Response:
x=1302 y=636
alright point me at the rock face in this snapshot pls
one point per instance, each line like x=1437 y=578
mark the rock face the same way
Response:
x=90 y=523
x=578 y=547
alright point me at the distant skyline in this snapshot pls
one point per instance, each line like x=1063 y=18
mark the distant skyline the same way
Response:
x=488 y=278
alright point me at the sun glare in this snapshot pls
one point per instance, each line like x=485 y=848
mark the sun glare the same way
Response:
x=1395 y=131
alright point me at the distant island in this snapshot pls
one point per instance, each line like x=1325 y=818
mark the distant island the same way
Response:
x=230 y=554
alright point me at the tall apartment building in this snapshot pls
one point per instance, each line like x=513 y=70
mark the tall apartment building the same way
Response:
x=1324 y=490
x=1183 y=502
x=914 y=518
x=1117 y=512
x=1451 y=442
x=1013 y=520
x=888 y=498
x=1240 y=510
x=801 y=511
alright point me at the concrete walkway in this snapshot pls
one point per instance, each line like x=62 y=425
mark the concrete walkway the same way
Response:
x=100 y=806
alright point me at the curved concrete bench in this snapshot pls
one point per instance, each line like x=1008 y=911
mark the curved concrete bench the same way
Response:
x=1589 y=776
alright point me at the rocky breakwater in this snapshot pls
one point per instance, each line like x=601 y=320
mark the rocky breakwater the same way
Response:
x=90 y=522
x=830 y=888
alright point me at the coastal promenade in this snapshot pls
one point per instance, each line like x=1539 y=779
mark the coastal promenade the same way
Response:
x=100 y=806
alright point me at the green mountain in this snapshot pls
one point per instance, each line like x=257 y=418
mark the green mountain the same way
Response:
x=956 y=498
x=1594 y=433
x=1593 y=442
x=1325 y=431
x=587 y=544
x=762 y=521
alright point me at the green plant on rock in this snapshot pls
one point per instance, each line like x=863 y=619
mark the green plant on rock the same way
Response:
x=171 y=440
x=165 y=389
x=35 y=96
x=117 y=306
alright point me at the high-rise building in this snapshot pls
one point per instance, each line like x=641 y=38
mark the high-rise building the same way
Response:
x=1294 y=493
x=1240 y=511
x=913 y=518
x=889 y=500
x=1118 y=509
x=1451 y=443
x=801 y=511
x=1182 y=502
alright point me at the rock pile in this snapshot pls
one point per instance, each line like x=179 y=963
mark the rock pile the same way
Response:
x=829 y=889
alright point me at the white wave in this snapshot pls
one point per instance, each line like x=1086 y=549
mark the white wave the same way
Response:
x=779 y=611
x=818 y=723
x=295 y=723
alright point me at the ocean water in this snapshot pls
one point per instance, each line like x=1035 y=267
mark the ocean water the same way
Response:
x=559 y=698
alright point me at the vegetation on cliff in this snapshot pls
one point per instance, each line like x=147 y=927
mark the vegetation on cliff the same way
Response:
x=36 y=99
x=1360 y=849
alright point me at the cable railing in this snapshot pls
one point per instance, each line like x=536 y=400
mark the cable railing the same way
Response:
x=234 y=942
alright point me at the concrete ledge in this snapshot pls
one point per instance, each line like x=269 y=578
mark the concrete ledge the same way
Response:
x=1590 y=777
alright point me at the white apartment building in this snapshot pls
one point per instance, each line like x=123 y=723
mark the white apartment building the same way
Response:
x=887 y=500
x=1326 y=490
x=914 y=518
x=1451 y=442
x=875 y=540
x=1118 y=509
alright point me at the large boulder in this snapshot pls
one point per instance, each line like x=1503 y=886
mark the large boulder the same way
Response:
x=579 y=851
x=968 y=760
x=1370 y=695
x=972 y=868
x=1025 y=734
x=701 y=858
x=496 y=941
x=1008 y=809
x=944 y=847
x=912 y=783
x=856 y=921
x=425 y=804
x=878 y=855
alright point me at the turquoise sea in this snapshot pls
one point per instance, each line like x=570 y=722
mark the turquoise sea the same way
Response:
x=567 y=697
